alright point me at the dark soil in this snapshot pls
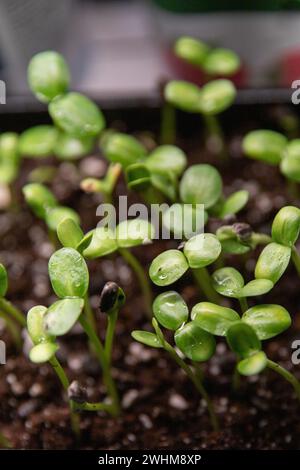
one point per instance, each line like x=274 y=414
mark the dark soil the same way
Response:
x=161 y=409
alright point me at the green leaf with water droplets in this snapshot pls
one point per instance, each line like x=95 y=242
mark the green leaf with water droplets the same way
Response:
x=268 y=320
x=68 y=273
x=202 y=250
x=213 y=318
x=170 y=310
x=194 y=342
x=77 y=115
x=272 y=262
x=168 y=267
x=228 y=281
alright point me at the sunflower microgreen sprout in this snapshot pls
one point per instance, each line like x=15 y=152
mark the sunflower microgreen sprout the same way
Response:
x=244 y=334
x=77 y=120
x=155 y=174
x=69 y=278
x=208 y=101
x=194 y=344
x=198 y=252
x=212 y=61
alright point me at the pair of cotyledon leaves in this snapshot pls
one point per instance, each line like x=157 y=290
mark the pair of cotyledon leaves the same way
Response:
x=69 y=277
x=195 y=338
x=273 y=148
x=198 y=252
x=213 y=61
x=78 y=120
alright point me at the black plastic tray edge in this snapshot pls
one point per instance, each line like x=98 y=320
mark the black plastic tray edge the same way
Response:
x=259 y=96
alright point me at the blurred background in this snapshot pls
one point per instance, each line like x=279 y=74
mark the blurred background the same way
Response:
x=123 y=48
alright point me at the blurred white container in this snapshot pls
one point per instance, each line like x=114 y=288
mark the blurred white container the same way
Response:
x=26 y=27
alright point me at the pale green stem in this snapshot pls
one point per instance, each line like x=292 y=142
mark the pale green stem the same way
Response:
x=99 y=406
x=286 y=374
x=10 y=309
x=296 y=259
x=12 y=328
x=140 y=274
x=106 y=370
x=215 y=132
x=243 y=303
x=196 y=382
x=65 y=383
x=168 y=124
x=198 y=371
x=112 y=175
x=204 y=281
x=89 y=312
x=110 y=332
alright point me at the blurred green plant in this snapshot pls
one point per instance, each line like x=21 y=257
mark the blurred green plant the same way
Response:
x=12 y=316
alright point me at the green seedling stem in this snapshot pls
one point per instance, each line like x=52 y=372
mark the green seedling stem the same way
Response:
x=58 y=369
x=140 y=274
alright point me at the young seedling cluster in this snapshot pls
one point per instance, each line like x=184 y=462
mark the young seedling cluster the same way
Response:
x=154 y=175
x=208 y=101
x=157 y=175
x=244 y=334
x=195 y=344
x=77 y=122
